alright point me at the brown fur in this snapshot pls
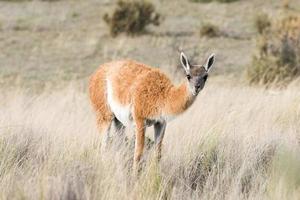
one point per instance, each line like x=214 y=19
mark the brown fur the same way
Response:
x=147 y=89
x=97 y=91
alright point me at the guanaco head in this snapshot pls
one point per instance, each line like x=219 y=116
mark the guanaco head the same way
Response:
x=196 y=74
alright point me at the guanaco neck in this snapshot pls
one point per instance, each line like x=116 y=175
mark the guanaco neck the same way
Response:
x=179 y=98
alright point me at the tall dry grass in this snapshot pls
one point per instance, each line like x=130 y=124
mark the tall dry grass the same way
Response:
x=236 y=142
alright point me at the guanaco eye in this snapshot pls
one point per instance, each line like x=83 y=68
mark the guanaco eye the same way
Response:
x=188 y=77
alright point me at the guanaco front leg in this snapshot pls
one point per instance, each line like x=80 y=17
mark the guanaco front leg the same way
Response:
x=139 y=144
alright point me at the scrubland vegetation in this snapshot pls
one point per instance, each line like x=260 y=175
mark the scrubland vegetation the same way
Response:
x=209 y=30
x=131 y=17
x=277 y=60
x=240 y=140
x=206 y=1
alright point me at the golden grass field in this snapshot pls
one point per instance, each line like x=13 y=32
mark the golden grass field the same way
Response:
x=236 y=142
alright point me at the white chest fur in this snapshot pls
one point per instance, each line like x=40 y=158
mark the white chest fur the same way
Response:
x=121 y=112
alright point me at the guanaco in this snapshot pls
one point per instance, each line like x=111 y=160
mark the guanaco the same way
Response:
x=129 y=93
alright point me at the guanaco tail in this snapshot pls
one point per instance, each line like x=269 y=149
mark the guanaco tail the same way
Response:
x=128 y=93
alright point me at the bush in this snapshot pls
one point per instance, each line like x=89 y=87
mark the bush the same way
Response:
x=285 y=4
x=207 y=1
x=262 y=22
x=226 y=1
x=131 y=17
x=277 y=60
x=209 y=30
x=201 y=1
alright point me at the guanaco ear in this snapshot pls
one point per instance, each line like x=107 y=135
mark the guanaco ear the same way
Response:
x=185 y=63
x=210 y=61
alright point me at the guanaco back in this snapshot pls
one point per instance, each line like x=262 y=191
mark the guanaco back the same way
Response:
x=129 y=93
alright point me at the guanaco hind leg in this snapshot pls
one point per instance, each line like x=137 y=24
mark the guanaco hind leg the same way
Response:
x=104 y=125
x=139 y=144
x=159 y=132
x=120 y=131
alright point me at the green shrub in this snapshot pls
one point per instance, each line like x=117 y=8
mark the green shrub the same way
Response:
x=262 y=22
x=207 y=1
x=201 y=1
x=131 y=17
x=277 y=60
x=209 y=30
x=226 y=1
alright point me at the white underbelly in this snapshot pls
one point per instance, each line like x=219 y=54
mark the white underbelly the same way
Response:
x=121 y=112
